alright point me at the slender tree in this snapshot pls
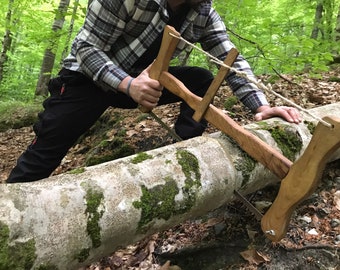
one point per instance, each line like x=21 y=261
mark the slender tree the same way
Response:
x=50 y=52
x=329 y=7
x=70 y=29
x=7 y=40
x=337 y=27
x=317 y=20
x=337 y=38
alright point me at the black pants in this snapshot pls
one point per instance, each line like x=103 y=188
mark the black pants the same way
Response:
x=74 y=105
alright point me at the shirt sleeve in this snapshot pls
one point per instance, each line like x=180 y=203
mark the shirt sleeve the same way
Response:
x=104 y=24
x=216 y=41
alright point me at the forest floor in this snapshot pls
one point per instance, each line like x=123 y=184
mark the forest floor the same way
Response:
x=230 y=237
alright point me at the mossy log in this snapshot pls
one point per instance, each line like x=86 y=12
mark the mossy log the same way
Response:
x=72 y=219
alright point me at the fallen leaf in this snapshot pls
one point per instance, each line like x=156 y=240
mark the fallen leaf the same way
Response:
x=131 y=132
x=151 y=249
x=313 y=232
x=262 y=205
x=254 y=257
x=146 y=129
x=213 y=221
x=306 y=219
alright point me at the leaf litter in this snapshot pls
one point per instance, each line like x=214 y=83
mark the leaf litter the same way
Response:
x=315 y=225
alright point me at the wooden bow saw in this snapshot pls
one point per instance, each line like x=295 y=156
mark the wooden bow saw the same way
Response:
x=299 y=179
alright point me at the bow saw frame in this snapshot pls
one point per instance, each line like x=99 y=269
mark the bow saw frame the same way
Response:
x=299 y=179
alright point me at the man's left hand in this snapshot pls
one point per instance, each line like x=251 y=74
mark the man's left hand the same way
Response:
x=289 y=114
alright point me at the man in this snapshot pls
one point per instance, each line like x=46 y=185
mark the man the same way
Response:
x=109 y=65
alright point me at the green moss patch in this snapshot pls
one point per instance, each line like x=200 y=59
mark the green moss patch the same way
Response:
x=334 y=79
x=109 y=150
x=20 y=256
x=311 y=126
x=83 y=255
x=140 y=157
x=159 y=201
x=93 y=201
x=287 y=140
x=15 y=114
x=77 y=170
x=190 y=168
x=246 y=164
x=230 y=102
x=105 y=145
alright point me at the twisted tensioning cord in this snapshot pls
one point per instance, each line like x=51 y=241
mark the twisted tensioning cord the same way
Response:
x=260 y=85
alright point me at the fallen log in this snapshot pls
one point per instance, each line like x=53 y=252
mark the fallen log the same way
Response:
x=72 y=219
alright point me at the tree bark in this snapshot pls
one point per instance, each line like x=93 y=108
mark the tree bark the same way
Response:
x=329 y=11
x=7 y=40
x=336 y=51
x=50 y=52
x=317 y=20
x=70 y=220
x=70 y=29
x=337 y=27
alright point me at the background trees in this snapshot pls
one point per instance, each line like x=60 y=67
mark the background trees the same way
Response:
x=52 y=47
x=40 y=32
x=285 y=36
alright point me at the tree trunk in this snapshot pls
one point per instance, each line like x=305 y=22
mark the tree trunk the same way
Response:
x=317 y=20
x=7 y=41
x=336 y=51
x=73 y=219
x=329 y=20
x=337 y=27
x=70 y=30
x=50 y=52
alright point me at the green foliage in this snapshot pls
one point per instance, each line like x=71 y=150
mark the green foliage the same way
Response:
x=31 y=28
x=271 y=35
x=277 y=34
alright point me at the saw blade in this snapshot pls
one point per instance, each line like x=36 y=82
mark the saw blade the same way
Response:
x=258 y=215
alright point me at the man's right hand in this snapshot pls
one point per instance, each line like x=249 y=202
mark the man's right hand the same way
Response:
x=143 y=90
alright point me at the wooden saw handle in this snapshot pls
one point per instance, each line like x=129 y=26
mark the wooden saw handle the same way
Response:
x=168 y=46
x=253 y=145
x=302 y=179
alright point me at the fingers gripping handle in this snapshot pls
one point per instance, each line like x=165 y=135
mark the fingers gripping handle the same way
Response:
x=168 y=46
x=302 y=179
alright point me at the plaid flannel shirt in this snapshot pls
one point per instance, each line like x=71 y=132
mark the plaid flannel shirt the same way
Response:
x=117 y=32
